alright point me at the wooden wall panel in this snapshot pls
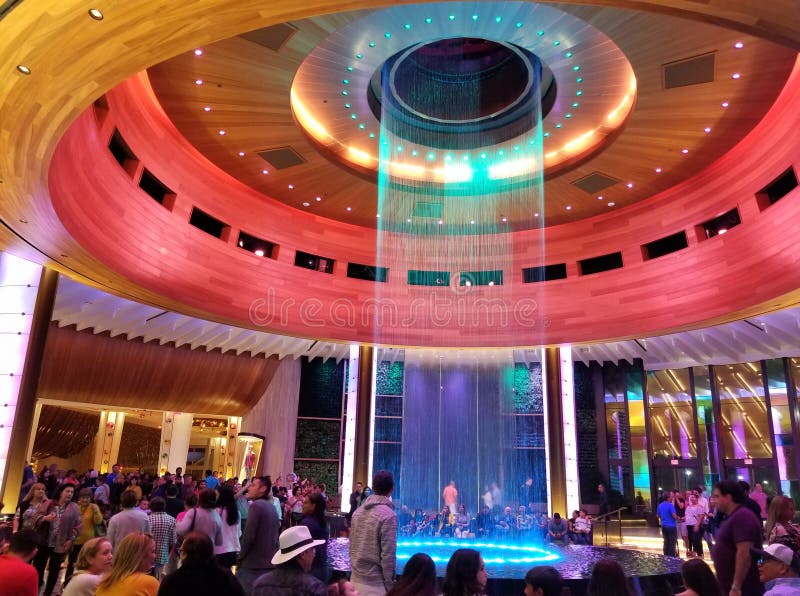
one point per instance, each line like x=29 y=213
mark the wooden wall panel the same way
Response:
x=114 y=372
x=63 y=432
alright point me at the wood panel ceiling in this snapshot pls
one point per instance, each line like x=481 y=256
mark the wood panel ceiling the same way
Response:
x=246 y=90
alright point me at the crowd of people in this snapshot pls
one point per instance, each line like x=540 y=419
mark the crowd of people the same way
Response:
x=130 y=534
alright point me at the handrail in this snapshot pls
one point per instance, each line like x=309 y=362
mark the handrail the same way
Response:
x=610 y=513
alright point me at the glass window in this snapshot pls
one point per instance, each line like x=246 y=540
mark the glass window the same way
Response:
x=743 y=410
x=671 y=415
x=707 y=432
x=641 y=466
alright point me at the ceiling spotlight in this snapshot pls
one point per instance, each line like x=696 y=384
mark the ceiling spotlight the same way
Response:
x=349 y=208
x=441 y=223
x=611 y=204
x=684 y=151
x=658 y=170
x=318 y=199
x=491 y=283
x=206 y=108
x=536 y=215
x=408 y=220
x=23 y=69
x=291 y=186
x=198 y=81
x=721 y=231
x=472 y=222
x=707 y=129
x=265 y=171
x=258 y=252
x=378 y=215
x=222 y=132
x=306 y=204
x=504 y=220
x=241 y=153
x=629 y=185
x=736 y=76
x=95 y=14
x=738 y=45
x=725 y=104
x=198 y=52
x=468 y=283
x=599 y=197
x=568 y=207
x=241 y=244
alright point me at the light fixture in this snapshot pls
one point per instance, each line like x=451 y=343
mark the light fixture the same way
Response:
x=317 y=199
x=738 y=45
x=472 y=222
x=599 y=197
x=222 y=132
x=658 y=170
x=23 y=69
x=707 y=129
x=408 y=220
x=378 y=215
x=611 y=204
x=306 y=204
x=536 y=215
x=684 y=151
x=241 y=244
x=290 y=186
x=349 y=208
x=258 y=252
x=441 y=222
x=206 y=108
x=629 y=185
x=265 y=171
x=568 y=207
x=198 y=81
x=241 y=153
x=96 y=14
x=725 y=104
x=722 y=231
x=491 y=283
x=736 y=76
x=504 y=220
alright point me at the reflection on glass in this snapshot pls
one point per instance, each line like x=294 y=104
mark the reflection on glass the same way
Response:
x=616 y=423
x=641 y=468
x=671 y=415
x=707 y=432
x=743 y=411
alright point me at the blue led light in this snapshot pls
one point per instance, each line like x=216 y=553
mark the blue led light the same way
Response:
x=387 y=35
x=579 y=92
x=345 y=81
x=362 y=126
x=448 y=157
x=545 y=135
x=429 y=20
x=483 y=156
x=556 y=43
x=558 y=125
x=349 y=69
x=431 y=155
x=353 y=116
x=414 y=152
x=399 y=148
x=516 y=147
x=576 y=68
x=359 y=56
x=452 y=17
x=568 y=54
x=501 y=153
x=407 y=26
x=371 y=44
x=466 y=157
x=540 y=33
x=519 y=24
x=372 y=135
x=345 y=93
x=579 y=80
x=347 y=105
x=474 y=17
x=575 y=104
x=498 y=19
x=567 y=115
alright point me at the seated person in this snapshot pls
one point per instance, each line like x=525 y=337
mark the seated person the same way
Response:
x=507 y=524
x=557 y=530
x=524 y=521
x=462 y=522
x=446 y=521
x=582 y=528
x=403 y=517
x=542 y=524
x=571 y=526
x=484 y=523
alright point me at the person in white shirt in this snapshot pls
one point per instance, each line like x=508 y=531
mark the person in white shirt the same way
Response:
x=582 y=526
x=695 y=515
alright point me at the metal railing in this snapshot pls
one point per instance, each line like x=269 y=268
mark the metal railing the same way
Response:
x=601 y=522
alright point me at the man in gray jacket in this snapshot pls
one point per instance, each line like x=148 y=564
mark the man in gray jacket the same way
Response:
x=260 y=539
x=128 y=521
x=373 y=539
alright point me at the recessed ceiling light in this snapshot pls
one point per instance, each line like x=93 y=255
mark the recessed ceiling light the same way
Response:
x=491 y=283
x=629 y=185
x=306 y=204
x=291 y=186
x=611 y=204
x=707 y=129
x=725 y=104
x=722 y=231
x=349 y=208
x=241 y=244
x=568 y=207
x=206 y=108
x=684 y=151
x=222 y=132
x=198 y=81
x=599 y=197
x=317 y=199
x=96 y=14
x=658 y=170
x=736 y=76
x=738 y=45
x=241 y=153
x=198 y=52
x=265 y=171
x=258 y=252
x=504 y=220
x=23 y=69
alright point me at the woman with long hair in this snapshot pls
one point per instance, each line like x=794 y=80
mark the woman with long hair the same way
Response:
x=466 y=574
x=133 y=558
x=35 y=498
x=779 y=521
x=314 y=519
x=64 y=519
x=94 y=560
x=608 y=579
x=199 y=574
x=698 y=579
x=203 y=518
x=227 y=552
x=419 y=578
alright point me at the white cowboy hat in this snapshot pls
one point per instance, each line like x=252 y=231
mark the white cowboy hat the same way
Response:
x=292 y=542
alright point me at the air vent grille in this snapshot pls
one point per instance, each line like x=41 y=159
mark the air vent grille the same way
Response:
x=282 y=157
x=595 y=182
x=691 y=71
x=273 y=38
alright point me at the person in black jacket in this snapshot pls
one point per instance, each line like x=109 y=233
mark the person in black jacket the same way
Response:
x=314 y=519
x=293 y=562
x=199 y=574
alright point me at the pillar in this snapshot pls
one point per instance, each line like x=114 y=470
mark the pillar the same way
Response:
x=176 y=433
x=362 y=451
x=555 y=436
x=109 y=435
x=231 y=445
x=28 y=293
x=351 y=412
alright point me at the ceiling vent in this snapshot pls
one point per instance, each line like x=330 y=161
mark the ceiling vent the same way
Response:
x=282 y=157
x=595 y=182
x=691 y=71
x=273 y=38
x=428 y=209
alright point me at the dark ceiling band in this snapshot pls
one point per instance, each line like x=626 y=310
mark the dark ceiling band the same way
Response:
x=296 y=546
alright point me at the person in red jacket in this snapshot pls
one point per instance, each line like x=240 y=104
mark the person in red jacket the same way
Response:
x=17 y=575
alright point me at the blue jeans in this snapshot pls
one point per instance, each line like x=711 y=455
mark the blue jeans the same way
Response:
x=670 y=534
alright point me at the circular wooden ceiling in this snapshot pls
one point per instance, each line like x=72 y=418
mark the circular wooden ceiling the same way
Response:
x=241 y=117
